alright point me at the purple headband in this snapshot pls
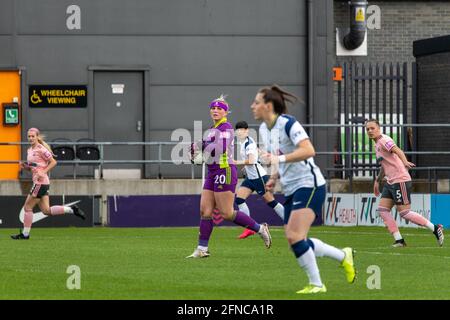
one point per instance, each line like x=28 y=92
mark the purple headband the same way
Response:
x=218 y=103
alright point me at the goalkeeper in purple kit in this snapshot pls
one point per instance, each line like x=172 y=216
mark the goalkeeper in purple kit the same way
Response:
x=221 y=180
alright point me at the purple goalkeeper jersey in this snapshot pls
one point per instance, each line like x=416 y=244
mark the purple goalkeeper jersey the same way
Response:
x=219 y=145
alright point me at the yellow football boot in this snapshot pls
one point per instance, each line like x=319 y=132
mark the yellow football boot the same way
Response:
x=312 y=289
x=347 y=264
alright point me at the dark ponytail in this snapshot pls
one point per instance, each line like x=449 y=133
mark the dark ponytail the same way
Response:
x=278 y=97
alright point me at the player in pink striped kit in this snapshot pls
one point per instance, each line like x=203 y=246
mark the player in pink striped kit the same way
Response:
x=40 y=161
x=397 y=189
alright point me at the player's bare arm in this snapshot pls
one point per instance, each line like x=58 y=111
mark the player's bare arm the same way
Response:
x=378 y=181
x=251 y=160
x=304 y=150
x=402 y=157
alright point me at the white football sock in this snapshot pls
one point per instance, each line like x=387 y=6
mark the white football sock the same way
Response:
x=308 y=263
x=244 y=208
x=279 y=209
x=397 y=236
x=430 y=226
x=68 y=209
x=321 y=249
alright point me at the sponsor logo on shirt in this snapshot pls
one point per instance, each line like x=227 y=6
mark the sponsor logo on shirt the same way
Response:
x=389 y=145
x=225 y=135
x=296 y=134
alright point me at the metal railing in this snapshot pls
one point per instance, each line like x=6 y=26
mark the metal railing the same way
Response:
x=347 y=168
x=375 y=90
x=102 y=162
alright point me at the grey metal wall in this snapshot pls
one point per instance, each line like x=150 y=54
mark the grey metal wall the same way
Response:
x=322 y=60
x=195 y=50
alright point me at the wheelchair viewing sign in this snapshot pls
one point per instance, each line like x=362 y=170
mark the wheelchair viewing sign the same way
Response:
x=57 y=96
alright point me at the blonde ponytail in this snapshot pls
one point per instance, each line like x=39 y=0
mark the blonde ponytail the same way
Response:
x=40 y=139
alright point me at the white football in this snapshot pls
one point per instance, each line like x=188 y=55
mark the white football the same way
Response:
x=198 y=158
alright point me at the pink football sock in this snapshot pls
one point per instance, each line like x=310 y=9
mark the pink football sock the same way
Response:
x=416 y=218
x=56 y=210
x=28 y=219
x=388 y=220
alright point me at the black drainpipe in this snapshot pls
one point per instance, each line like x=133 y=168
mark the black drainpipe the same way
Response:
x=357 y=28
x=310 y=101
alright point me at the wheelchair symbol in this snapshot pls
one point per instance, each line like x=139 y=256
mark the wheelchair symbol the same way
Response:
x=35 y=98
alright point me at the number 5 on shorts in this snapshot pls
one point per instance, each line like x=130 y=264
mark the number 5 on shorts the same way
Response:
x=398 y=195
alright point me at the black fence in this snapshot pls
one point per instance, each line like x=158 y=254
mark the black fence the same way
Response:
x=378 y=91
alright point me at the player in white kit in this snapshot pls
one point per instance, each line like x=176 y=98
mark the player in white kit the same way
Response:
x=287 y=146
x=256 y=176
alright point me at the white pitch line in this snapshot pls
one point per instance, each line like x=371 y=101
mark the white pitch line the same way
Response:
x=366 y=233
x=403 y=254
x=346 y=233
x=428 y=248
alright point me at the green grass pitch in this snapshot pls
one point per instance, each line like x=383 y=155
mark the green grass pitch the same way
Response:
x=149 y=263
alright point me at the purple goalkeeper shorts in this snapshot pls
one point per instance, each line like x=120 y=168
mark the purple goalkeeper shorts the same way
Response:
x=220 y=180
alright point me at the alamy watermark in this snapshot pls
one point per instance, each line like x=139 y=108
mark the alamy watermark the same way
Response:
x=74 y=280
x=214 y=143
x=373 y=20
x=374 y=280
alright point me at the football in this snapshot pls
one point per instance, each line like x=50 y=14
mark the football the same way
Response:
x=197 y=158
x=196 y=154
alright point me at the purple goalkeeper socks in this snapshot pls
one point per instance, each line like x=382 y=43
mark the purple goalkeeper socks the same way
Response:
x=206 y=228
x=245 y=221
